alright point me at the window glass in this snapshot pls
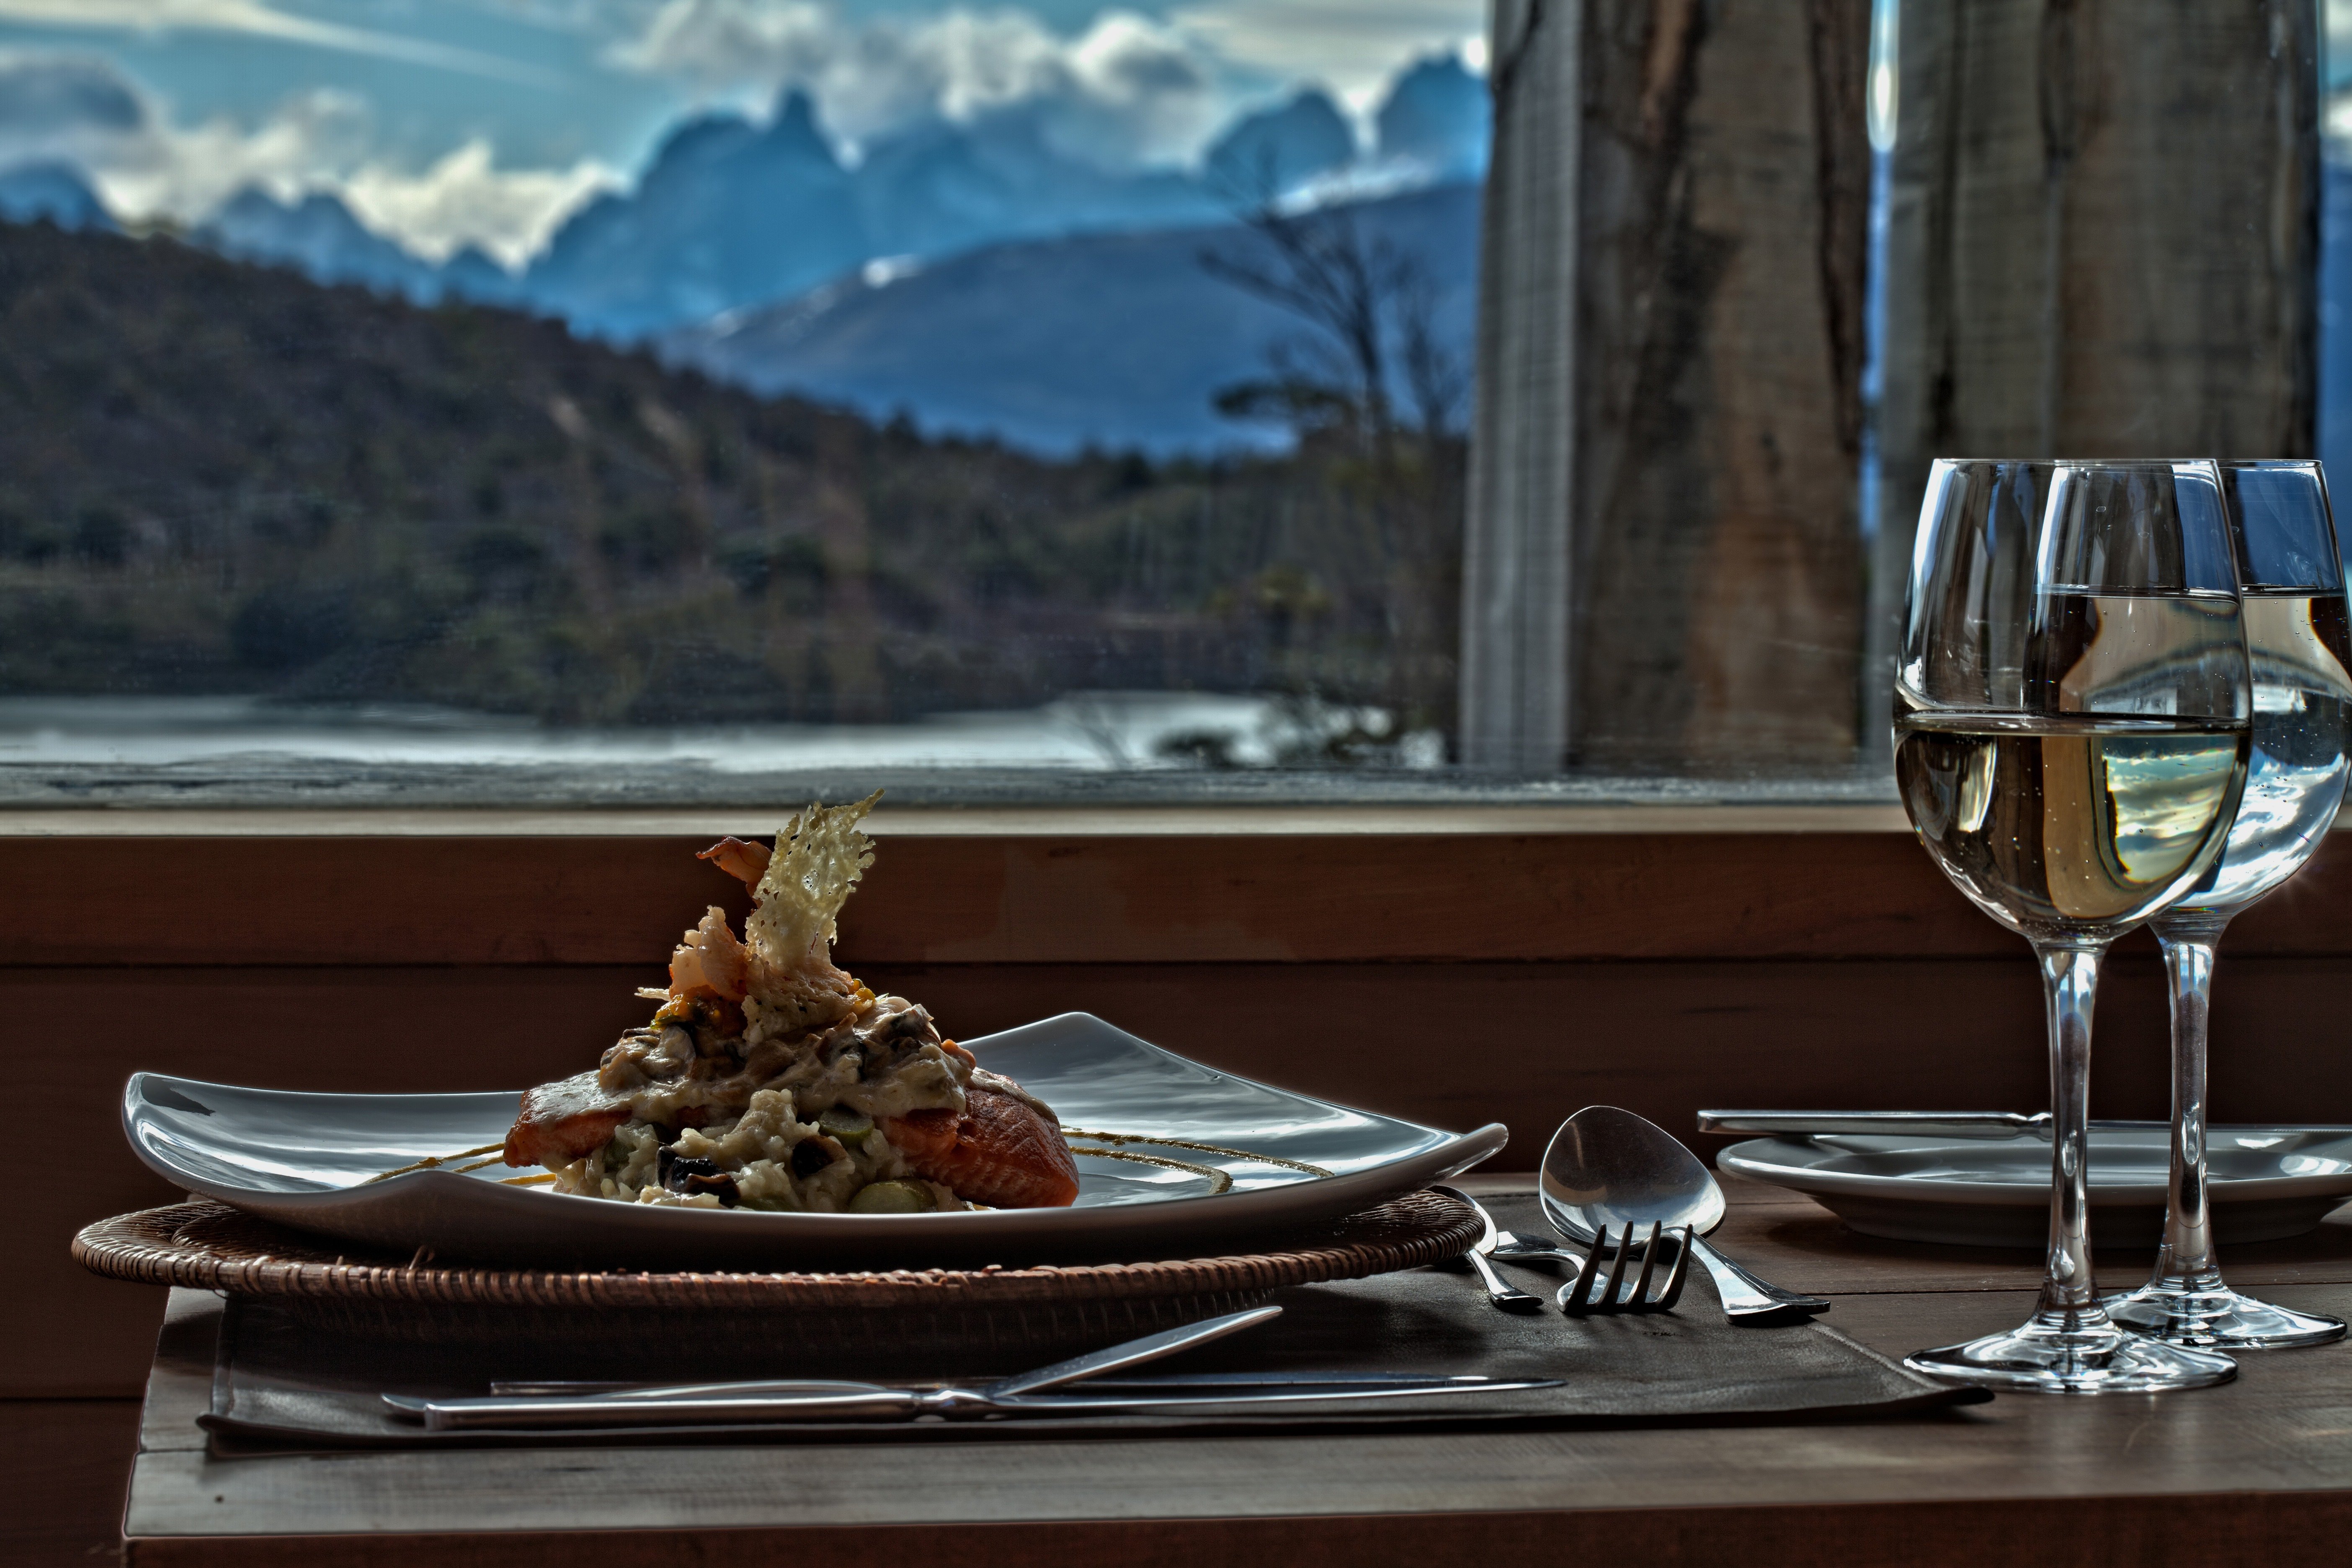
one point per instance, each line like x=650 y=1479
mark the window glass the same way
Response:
x=756 y=386
x=697 y=399
x=2334 y=353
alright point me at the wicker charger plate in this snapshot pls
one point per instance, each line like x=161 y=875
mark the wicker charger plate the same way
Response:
x=211 y=1246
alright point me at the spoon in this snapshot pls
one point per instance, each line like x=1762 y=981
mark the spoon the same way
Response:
x=1606 y=1166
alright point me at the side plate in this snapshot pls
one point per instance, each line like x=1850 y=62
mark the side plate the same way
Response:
x=2266 y=1182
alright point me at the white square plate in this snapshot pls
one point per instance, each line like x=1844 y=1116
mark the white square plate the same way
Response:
x=2265 y=1183
x=305 y=1159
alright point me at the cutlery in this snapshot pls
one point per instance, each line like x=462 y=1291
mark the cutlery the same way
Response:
x=597 y=1404
x=875 y=1401
x=560 y=1388
x=1606 y=1166
x=1919 y=1123
x=821 y=1396
x=1512 y=1247
x=1935 y=1123
x=1499 y=1290
x=1576 y=1301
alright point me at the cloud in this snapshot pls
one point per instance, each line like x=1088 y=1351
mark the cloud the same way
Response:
x=1127 y=88
x=82 y=111
x=41 y=96
x=253 y=18
x=465 y=198
x=1353 y=47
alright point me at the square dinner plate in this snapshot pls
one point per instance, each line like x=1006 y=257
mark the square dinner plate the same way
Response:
x=306 y=1161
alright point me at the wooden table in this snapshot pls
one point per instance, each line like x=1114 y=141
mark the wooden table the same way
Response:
x=2259 y=1471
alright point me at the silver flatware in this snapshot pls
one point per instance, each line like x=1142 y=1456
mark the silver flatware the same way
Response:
x=1577 y=1298
x=1918 y=1123
x=519 y=1388
x=591 y=1405
x=1499 y=1290
x=873 y=1402
x=877 y=1402
x=1512 y=1247
x=805 y=1399
x=1935 y=1124
x=1606 y=1166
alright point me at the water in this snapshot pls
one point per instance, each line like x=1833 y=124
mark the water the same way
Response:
x=1094 y=731
x=2301 y=645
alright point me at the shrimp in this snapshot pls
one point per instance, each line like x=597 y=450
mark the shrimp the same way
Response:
x=744 y=860
x=710 y=959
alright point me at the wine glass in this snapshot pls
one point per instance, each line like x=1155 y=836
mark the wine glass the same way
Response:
x=2299 y=640
x=2071 y=741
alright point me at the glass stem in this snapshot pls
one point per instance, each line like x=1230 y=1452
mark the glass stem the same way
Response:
x=2069 y=982
x=2187 y=1256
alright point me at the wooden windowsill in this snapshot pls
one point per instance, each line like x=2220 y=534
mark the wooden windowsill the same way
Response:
x=1000 y=887
x=963 y=822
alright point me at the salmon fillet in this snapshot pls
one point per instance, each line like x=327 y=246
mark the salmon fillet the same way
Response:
x=999 y=1151
x=565 y=1121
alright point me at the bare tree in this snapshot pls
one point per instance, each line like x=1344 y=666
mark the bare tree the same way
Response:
x=1370 y=311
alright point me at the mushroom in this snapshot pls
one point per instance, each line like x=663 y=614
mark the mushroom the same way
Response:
x=812 y=1155
x=686 y=1176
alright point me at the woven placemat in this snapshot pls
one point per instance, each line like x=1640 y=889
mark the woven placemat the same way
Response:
x=209 y=1246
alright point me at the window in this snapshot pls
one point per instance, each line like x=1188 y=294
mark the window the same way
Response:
x=694 y=399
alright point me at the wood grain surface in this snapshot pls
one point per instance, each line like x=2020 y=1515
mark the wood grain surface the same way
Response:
x=1159 y=899
x=68 y=1464
x=1720 y=247
x=2039 y=301
x=2260 y=1468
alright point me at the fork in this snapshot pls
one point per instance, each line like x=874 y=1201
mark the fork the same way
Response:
x=1576 y=1301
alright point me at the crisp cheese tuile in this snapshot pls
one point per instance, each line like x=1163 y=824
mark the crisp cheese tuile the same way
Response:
x=819 y=857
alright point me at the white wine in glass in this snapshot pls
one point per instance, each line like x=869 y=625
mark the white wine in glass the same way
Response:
x=2071 y=738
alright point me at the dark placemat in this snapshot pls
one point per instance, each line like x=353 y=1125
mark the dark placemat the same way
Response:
x=283 y=1382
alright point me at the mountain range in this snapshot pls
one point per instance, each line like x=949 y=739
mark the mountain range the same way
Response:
x=980 y=276
x=731 y=211
x=1113 y=341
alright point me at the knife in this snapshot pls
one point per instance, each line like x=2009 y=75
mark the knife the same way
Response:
x=1919 y=1123
x=773 y=1401
x=563 y=1389
x=878 y=1403
x=1986 y=1124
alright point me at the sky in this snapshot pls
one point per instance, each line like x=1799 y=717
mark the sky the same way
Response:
x=442 y=122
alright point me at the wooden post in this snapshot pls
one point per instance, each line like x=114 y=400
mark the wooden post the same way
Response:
x=1516 y=607
x=1707 y=465
x=2103 y=236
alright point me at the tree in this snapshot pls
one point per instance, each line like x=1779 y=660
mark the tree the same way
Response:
x=1369 y=309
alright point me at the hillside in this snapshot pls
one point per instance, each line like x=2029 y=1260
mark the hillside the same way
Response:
x=217 y=478
x=1103 y=340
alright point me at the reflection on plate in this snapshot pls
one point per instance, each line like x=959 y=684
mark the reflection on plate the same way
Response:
x=305 y=1159
x=2266 y=1182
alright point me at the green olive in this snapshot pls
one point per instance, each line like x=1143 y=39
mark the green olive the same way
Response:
x=847 y=1126
x=891 y=1197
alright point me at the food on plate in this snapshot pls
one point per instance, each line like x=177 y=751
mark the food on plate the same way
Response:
x=769 y=1079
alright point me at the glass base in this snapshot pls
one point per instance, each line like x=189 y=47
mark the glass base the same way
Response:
x=2077 y=1358
x=2207 y=1314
